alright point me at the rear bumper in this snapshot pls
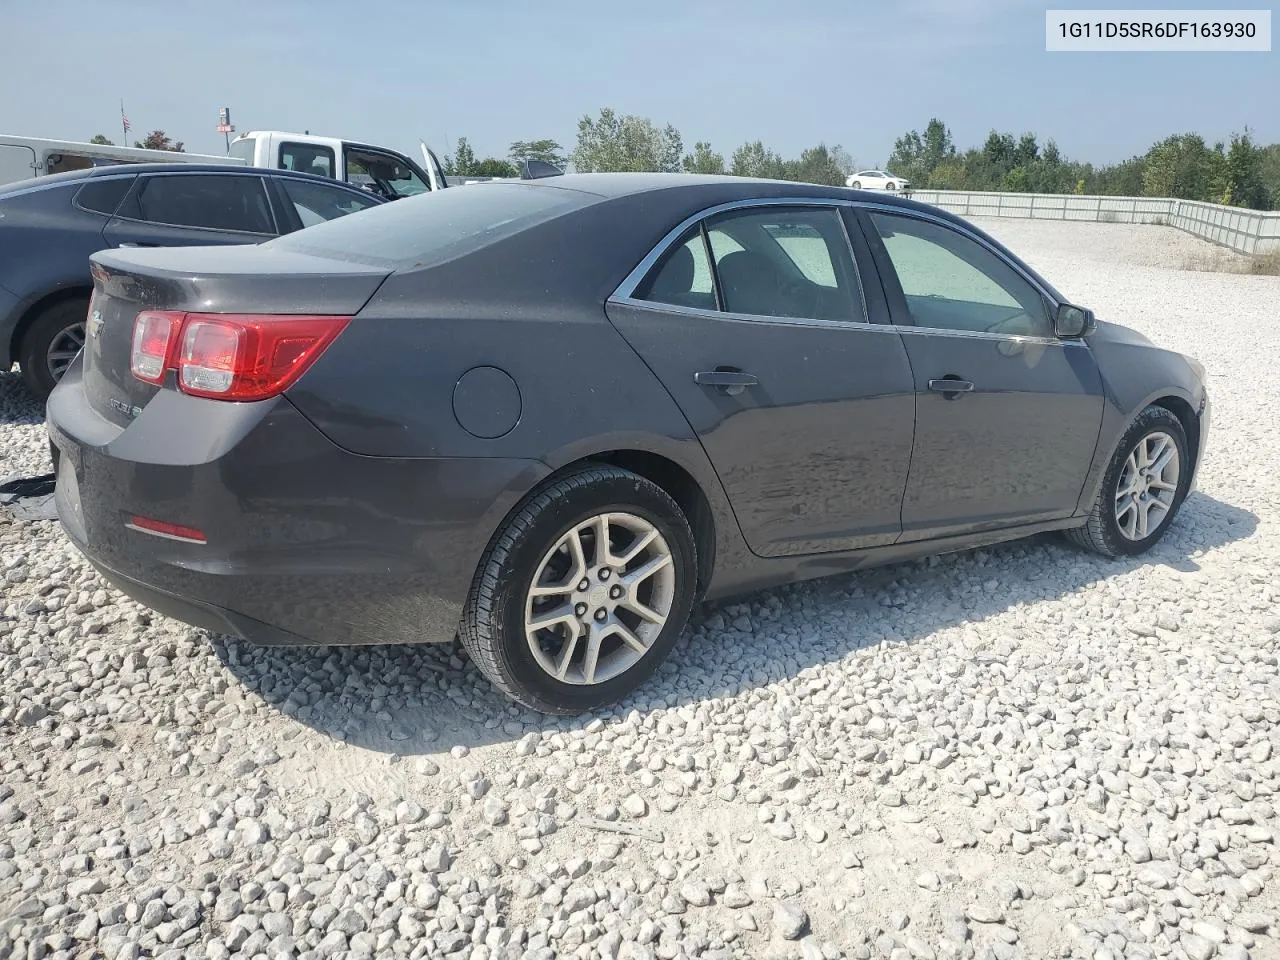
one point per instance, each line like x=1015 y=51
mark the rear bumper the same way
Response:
x=305 y=542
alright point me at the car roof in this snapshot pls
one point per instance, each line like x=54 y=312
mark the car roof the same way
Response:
x=134 y=169
x=705 y=190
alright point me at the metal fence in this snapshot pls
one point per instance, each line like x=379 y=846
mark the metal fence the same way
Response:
x=1244 y=231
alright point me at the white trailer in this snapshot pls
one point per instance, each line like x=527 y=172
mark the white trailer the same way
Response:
x=24 y=157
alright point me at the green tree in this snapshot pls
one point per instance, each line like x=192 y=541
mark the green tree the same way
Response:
x=1244 y=173
x=159 y=140
x=493 y=167
x=629 y=143
x=463 y=163
x=101 y=140
x=1183 y=166
x=549 y=151
x=703 y=160
x=816 y=165
x=755 y=160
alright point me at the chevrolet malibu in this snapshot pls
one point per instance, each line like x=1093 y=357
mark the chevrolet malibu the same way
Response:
x=548 y=417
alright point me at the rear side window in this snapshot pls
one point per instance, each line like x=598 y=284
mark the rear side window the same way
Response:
x=212 y=201
x=103 y=196
x=318 y=202
x=307 y=158
x=435 y=227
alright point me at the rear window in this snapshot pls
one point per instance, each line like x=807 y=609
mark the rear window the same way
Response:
x=434 y=227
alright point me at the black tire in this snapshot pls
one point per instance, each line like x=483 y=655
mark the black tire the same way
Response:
x=1101 y=533
x=40 y=333
x=492 y=628
x=857 y=185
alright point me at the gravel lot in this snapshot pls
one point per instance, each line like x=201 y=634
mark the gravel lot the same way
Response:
x=1018 y=752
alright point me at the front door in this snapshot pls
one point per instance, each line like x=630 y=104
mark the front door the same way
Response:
x=756 y=323
x=1007 y=415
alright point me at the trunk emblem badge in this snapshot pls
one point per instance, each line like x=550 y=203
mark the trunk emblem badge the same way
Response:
x=126 y=409
x=95 y=323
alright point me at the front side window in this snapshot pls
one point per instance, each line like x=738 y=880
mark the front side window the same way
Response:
x=307 y=158
x=952 y=282
x=318 y=202
x=213 y=201
x=382 y=174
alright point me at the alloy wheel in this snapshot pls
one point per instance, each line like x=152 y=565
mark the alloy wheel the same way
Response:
x=1148 y=486
x=599 y=598
x=63 y=348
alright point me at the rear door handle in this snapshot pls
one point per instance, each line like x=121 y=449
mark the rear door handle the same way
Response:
x=950 y=385
x=729 y=382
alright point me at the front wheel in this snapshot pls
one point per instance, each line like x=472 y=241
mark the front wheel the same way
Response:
x=857 y=185
x=583 y=592
x=1143 y=487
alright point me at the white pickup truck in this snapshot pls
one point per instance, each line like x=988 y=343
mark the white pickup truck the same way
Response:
x=378 y=169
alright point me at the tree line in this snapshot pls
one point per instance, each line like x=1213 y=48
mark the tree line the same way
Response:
x=1238 y=173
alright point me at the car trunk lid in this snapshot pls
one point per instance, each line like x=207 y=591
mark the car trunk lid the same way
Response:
x=229 y=280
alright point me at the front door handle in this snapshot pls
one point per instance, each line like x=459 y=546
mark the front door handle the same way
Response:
x=951 y=385
x=730 y=381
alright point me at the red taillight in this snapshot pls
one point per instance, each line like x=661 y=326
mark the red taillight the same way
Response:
x=233 y=356
x=163 y=528
x=154 y=336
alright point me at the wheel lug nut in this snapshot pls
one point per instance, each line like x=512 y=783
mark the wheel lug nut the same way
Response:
x=604 y=574
x=585 y=584
x=615 y=592
x=602 y=614
x=580 y=610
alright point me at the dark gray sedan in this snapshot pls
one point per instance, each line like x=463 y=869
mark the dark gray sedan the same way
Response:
x=550 y=416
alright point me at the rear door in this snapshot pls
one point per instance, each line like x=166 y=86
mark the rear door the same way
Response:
x=755 y=321
x=193 y=209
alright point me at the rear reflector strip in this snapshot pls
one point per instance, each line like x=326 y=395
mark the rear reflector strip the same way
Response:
x=170 y=531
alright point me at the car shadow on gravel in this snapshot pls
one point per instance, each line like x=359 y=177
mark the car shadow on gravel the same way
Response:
x=18 y=405
x=409 y=701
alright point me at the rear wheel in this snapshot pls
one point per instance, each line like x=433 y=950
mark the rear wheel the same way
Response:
x=1143 y=487
x=583 y=592
x=857 y=184
x=51 y=342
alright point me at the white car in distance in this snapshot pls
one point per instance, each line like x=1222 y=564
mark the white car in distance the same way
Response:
x=876 y=180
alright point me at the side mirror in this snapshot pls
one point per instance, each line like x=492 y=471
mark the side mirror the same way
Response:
x=1074 y=323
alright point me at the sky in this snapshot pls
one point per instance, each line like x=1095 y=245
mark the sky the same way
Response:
x=792 y=73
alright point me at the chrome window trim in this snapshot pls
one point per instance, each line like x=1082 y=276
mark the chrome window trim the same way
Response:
x=625 y=292
x=655 y=306
x=76 y=184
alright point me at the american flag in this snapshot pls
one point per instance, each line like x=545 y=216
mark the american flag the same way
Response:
x=124 y=121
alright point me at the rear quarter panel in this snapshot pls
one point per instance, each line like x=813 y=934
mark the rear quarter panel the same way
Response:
x=45 y=244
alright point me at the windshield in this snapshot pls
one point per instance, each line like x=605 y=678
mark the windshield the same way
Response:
x=426 y=230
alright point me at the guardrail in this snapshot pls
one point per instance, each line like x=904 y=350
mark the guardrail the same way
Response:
x=1244 y=231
